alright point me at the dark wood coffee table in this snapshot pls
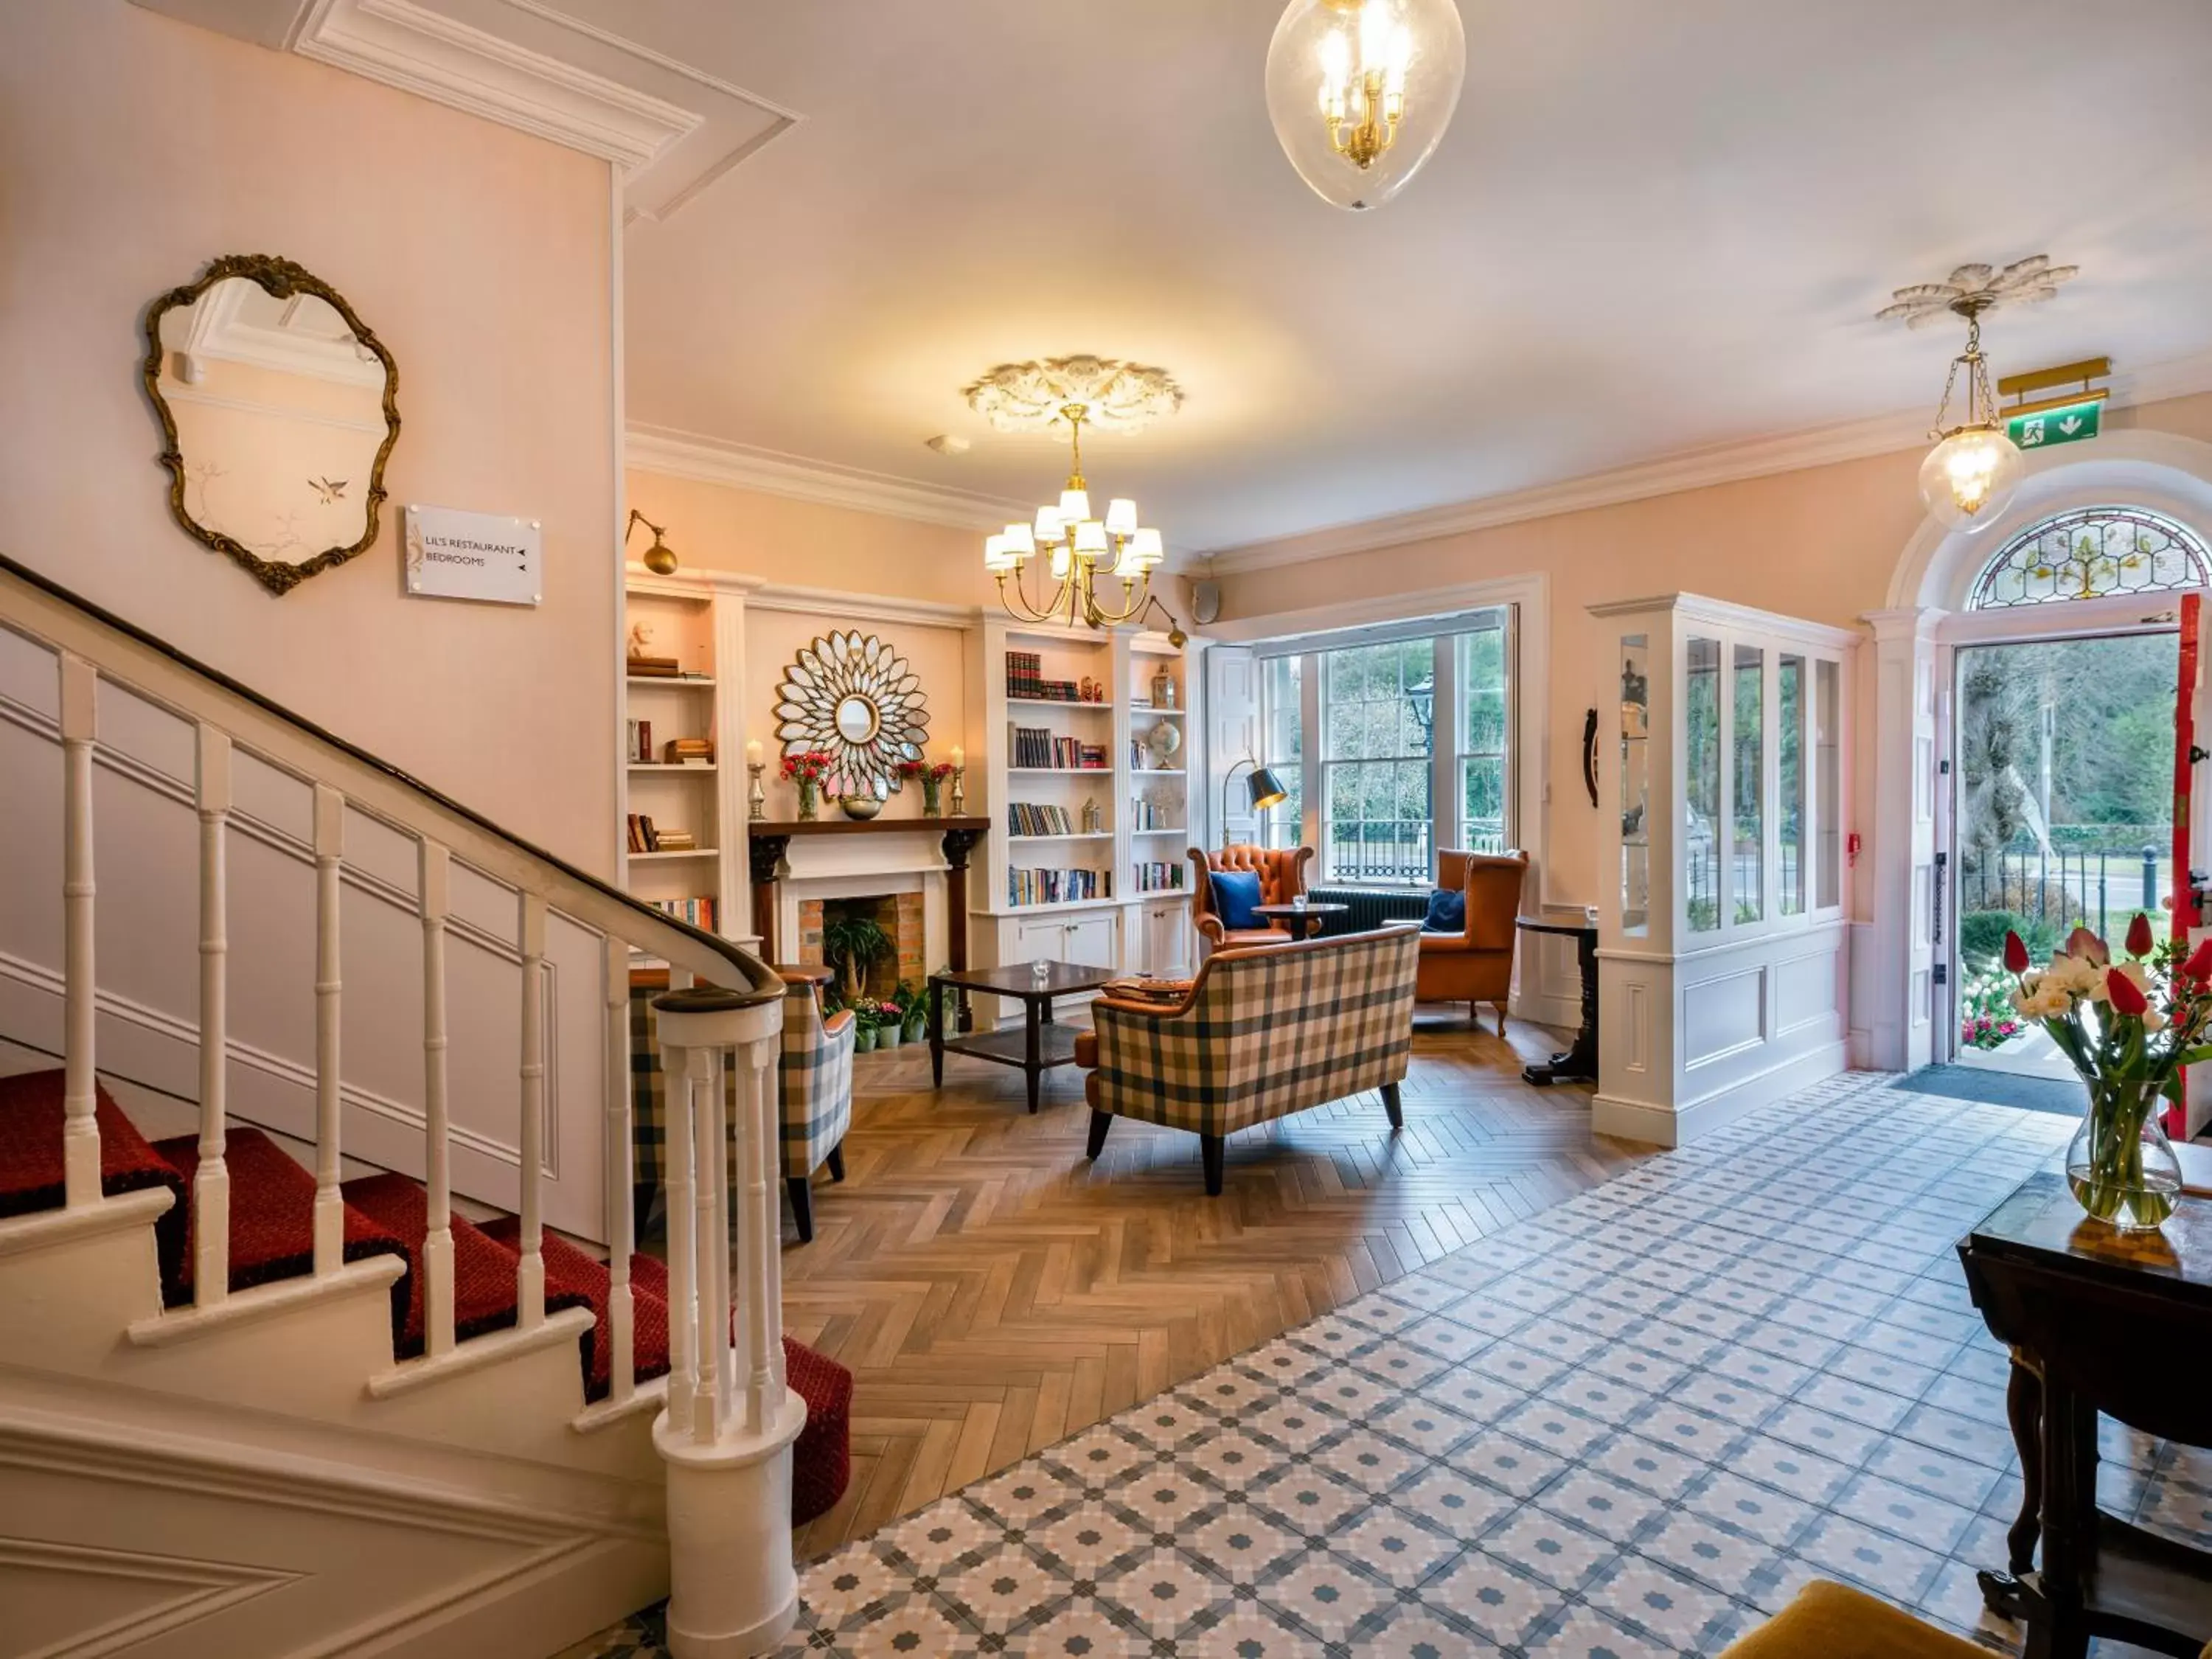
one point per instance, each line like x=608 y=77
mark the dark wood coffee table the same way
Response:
x=1041 y=1043
x=1295 y=913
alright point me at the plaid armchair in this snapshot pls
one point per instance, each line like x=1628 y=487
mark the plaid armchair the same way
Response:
x=814 y=1086
x=1282 y=879
x=1258 y=1034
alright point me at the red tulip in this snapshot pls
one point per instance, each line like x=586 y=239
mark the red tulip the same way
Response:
x=2139 y=936
x=2199 y=965
x=2085 y=945
x=2015 y=953
x=2127 y=996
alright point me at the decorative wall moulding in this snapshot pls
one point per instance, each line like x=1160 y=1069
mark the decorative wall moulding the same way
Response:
x=688 y=455
x=669 y=129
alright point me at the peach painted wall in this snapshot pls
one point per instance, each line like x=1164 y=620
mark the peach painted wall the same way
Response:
x=137 y=148
x=713 y=526
x=1821 y=543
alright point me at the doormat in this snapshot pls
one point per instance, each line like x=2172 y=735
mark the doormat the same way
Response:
x=1994 y=1088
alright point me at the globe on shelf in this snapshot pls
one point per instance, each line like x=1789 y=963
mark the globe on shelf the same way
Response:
x=1360 y=92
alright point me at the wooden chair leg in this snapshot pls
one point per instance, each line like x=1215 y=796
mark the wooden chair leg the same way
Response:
x=1100 y=1123
x=1501 y=1017
x=1394 y=1106
x=1209 y=1152
x=836 y=1161
x=802 y=1207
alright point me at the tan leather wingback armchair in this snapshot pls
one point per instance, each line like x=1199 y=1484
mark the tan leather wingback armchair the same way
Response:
x=1282 y=879
x=1475 y=965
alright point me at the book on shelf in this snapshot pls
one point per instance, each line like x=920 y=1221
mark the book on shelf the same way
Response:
x=1160 y=877
x=1148 y=814
x=688 y=751
x=646 y=837
x=698 y=912
x=1036 y=746
x=1025 y=818
x=1026 y=682
x=1057 y=886
x=655 y=668
x=641 y=740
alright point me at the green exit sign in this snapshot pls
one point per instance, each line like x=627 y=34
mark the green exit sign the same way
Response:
x=2068 y=424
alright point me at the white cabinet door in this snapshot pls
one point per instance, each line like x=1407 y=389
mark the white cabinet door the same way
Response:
x=1090 y=939
x=1039 y=938
x=1164 y=950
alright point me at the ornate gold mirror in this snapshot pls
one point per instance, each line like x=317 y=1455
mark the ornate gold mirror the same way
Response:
x=279 y=409
x=852 y=697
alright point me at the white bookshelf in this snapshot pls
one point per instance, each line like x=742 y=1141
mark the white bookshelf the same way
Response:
x=698 y=618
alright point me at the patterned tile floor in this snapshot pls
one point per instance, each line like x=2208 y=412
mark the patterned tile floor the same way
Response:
x=1630 y=1425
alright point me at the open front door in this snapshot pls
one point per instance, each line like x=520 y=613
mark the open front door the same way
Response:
x=2192 y=857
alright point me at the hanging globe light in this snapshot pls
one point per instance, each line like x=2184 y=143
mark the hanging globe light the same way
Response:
x=1969 y=477
x=1360 y=92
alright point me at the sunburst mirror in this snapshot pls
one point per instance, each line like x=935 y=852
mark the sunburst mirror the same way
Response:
x=854 y=698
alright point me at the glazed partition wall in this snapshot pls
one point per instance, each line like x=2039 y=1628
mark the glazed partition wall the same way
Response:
x=1723 y=948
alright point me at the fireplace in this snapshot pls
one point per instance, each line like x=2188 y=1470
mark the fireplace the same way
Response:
x=901 y=915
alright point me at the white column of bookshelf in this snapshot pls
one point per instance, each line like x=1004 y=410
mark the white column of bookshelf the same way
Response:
x=1164 y=845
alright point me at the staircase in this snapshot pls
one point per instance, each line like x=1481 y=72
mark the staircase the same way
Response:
x=267 y=1388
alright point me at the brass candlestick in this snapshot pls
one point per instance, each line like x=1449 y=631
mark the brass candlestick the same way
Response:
x=757 y=797
x=959 y=791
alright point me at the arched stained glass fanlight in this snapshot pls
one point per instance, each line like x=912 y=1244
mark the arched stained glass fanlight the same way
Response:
x=2088 y=553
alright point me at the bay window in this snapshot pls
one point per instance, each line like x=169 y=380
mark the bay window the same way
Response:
x=1395 y=743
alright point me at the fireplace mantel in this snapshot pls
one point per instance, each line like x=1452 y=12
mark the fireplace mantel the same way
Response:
x=769 y=839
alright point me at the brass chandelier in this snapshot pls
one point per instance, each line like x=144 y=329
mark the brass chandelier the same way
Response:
x=1075 y=552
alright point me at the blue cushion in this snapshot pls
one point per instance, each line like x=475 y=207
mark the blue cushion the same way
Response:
x=1234 y=893
x=1447 y=912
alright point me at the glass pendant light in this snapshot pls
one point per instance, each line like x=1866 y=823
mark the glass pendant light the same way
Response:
x=1360 y=92
x=1969 y=477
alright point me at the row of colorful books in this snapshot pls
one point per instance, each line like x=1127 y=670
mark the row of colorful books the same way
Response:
x=699 y=912
x=1057 y=886
x=1035 y=745
x=1024 y=819
x=645 y=836
x=1159 y=878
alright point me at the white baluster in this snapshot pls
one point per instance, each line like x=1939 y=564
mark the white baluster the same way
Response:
x=330 y=1203
x=675 y=1079
x=621 y=1221
x=79 y=992
x=435 y=866
x=717 y=1246
x=211 y=1180
x=712 y=1336
x=760 y=1295
x=530 y=1271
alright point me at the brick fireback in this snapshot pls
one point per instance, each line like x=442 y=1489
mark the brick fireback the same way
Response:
x=899 y=915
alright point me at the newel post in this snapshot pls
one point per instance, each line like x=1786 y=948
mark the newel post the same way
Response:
x=727 y=1435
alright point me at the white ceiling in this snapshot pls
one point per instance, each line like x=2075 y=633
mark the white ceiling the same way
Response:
x=1652 y=228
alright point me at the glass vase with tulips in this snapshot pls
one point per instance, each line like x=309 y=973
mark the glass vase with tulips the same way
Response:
x=2129 y=1027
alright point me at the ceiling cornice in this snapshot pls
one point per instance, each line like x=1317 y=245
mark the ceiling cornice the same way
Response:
x=1696 y=468
x=708 y=460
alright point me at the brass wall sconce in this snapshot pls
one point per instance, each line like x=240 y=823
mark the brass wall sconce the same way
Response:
x=1176 y=637
x=660 y=558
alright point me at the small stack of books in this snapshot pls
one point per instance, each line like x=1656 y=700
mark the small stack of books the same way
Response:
x=646 y=837
x=655 y=668
x=1024 y=819
x=688 y=751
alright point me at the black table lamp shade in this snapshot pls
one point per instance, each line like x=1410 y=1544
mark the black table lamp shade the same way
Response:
x=1266 y=788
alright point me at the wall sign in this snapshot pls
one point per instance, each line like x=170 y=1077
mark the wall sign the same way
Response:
x=452 y=554
x=2069 y=423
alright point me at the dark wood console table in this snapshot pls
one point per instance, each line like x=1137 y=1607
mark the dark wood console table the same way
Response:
x=2097 y=1322
x=766 y=840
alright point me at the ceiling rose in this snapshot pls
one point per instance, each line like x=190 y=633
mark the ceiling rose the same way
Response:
x=1976 y=290
x=1110 y=395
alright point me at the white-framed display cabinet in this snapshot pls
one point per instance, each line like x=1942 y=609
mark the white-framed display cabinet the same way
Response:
x=1724 y=966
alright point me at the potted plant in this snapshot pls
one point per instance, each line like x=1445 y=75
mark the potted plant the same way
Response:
x=914 y=1012
x=851 y=945
x=864 y=1027
x=931 y=776
x=807 y=771
x=2129 y=1027
x=888 y=1029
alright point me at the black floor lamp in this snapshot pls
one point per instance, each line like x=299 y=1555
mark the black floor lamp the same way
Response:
x=1265 y=788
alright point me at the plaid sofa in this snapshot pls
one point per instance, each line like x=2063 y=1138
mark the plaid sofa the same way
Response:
x=1260 y=1033
x=814 y=1086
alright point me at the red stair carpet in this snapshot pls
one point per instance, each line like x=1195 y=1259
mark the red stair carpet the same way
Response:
x=272 y=1199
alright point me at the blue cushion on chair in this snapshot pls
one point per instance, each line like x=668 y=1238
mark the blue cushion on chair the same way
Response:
x=1447 y=912
x=1234 y=893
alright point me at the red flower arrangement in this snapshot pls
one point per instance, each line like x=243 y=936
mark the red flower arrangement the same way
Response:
x=935 y=771
x=811 y=767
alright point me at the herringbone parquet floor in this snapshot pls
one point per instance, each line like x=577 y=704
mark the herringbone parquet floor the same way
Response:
x=994 y=1291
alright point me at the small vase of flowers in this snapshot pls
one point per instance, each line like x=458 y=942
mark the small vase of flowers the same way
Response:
x=807 y=771
x=2129 y=1027
x=931 y=776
